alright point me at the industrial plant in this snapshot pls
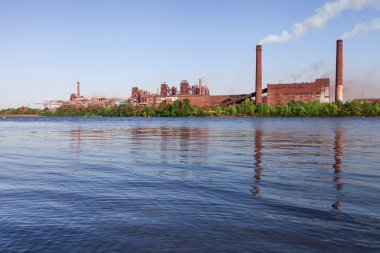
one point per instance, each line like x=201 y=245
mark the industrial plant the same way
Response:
x=200 y=96
x=300 y=92
x=76 y=99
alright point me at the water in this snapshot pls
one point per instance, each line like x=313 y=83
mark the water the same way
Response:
x=189 y=185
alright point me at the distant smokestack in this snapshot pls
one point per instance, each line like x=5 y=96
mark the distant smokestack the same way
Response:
x=78 y=89
x=200 y=86
x=259 y=97
x=339 y=71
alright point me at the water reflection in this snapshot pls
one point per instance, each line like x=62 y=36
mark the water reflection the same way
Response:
x=318 y=151
x=338 y=156
x=258 y=160
x=185 y=138
x=110 y=202
x=75 y=135
x=170 y=144
x=164 y=144
x=138 y=146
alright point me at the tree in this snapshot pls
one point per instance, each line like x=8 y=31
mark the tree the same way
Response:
x=263 y=109
x=352 y=108
x=218 y=111
x=233 y=110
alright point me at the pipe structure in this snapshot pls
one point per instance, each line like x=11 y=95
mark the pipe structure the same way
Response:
x=339 y=71
x=259 y=95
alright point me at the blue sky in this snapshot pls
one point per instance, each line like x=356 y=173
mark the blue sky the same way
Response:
x=110 y=46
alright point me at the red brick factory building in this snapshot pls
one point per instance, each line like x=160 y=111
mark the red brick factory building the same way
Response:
x=301 y=92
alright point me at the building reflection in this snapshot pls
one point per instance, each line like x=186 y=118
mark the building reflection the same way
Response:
x=138 y=146
x=75 y=135
x=169 y=144
x=81 y=138
x=165 y=144
x=258 y=160
x=338 y=156
x=185 y=135
x=201 y=137
x=193 y=143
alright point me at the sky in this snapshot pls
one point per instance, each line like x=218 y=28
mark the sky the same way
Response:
x=46 y=46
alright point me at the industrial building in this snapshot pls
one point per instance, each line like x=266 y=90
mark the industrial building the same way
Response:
x=76 y=99
x=199 y=95
x=77 y=96
x=300 y=92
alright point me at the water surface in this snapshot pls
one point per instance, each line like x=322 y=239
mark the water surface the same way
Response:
x=189 y=185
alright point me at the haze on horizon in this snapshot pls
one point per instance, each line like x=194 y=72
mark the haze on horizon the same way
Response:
x=110 y=46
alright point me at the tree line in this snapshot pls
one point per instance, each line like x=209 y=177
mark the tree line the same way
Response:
x=184 y=109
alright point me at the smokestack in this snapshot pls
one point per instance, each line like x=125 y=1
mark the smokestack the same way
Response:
x=200 y=86
x=259 y=98
x=339 y=71
x=78 y=89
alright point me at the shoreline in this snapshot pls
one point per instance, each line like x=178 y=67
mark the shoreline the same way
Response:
x=20 y=115
x=184 y=117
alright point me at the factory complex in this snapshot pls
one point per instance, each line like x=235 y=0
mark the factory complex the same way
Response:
x=200 y=96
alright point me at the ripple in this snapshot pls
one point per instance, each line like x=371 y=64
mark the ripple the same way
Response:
x=164 y=184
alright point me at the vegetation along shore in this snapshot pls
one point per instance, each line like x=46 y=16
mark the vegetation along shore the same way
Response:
x=185 y=109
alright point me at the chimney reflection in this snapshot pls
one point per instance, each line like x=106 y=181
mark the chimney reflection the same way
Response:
x=258 y=159
x=338 y=156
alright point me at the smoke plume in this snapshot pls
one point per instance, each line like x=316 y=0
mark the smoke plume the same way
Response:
x=322 y=16
x=310 y=73
x=374 y=25
x=357 y=84
x=366 y=88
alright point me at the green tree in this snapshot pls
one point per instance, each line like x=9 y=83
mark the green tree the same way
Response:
x=312 y=109
x=263 y=110
x=352 y=108
x=247 y=108
x=233 y=110
x=281 y=110
x=368 y=109
x=218 y=111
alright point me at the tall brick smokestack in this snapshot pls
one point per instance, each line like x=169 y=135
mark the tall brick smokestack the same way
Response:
x=78 y=89
x=339 y=71
x=259 y=96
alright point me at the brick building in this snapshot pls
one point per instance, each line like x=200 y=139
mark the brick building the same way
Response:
x=299 y=92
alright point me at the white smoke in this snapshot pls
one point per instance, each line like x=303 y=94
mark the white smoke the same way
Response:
x=374 y=25
x=323 y=15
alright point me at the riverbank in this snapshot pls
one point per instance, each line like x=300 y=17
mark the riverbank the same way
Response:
x=20 y=115
x=185 y=109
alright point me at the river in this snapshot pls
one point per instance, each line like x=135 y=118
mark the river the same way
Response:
x=189 y=185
